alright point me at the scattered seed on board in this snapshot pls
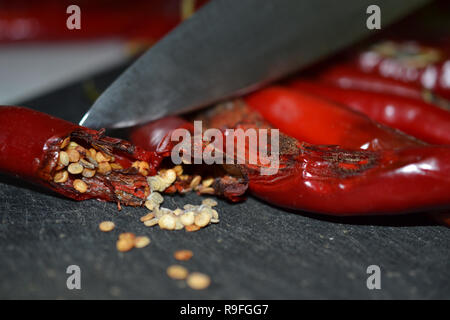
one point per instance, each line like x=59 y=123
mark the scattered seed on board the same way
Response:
x=177 y=272
x=167 y=221
x=183 y=255
x=202 y=219
x=141 y=242
x=156 y=198
x=188 y=218
x=198 y=281
x=106 y=226
x=151 y=223
x=147 y=217
x=126 y=241
x=192 y=228
x=209 y=202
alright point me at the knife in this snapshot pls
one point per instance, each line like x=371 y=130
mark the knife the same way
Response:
x=228 y=48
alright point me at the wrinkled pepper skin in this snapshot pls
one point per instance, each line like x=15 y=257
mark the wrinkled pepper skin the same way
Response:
x=316 y=120
x=414 y=117
x=339 y=182
x=30 y=143
x=335 y=181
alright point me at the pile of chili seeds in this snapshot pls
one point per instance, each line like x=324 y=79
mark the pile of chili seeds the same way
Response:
x=190 y=217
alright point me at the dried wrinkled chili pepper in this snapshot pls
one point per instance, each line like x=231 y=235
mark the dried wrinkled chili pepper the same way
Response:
x=319 y=121
x=337 y=181
x=417 y=118
x=32 y=145
x=333 y=180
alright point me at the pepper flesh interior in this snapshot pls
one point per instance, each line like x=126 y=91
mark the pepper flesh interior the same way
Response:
x=107 y=176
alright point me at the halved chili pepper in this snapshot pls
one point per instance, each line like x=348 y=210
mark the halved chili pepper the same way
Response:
x=412 y=116
x=91 y=166
x=319 y=121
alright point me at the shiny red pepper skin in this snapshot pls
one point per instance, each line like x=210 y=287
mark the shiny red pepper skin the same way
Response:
x=414 y=117
x=348 y=77
x=409 y=62
x=30 y=143
x=319 y=121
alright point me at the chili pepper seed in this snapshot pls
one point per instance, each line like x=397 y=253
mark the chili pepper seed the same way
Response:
x=198 y=281
x=177 y=272
x=106 y=226
x=141 y=242
x=183 y=255
x=80 y=185
x=61 y=176
x=75 y=168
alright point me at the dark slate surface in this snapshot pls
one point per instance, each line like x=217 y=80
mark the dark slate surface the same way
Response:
x=256 y=251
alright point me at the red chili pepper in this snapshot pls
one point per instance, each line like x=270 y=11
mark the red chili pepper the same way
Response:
x=46 y=20
x=340 y=182
x=409 y=62
x=319 y=121
x=419 y=119
x=31 y=144
x=335 y=181
x=348 y=77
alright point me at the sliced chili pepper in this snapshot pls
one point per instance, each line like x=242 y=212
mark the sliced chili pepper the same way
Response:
x=319 y=121
x=31 y=148
x=419 y=119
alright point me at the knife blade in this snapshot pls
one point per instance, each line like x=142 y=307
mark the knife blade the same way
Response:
x=229 y=48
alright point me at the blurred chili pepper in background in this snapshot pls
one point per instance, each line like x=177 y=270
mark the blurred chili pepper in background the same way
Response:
x=45 y=20
x=319 y=121
x=412 y=116
x=409 y=62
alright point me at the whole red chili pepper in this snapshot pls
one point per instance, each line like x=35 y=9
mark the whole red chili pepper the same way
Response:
x=419 y=119
x=32 y=145
x=409 y=62
x=319 y=121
